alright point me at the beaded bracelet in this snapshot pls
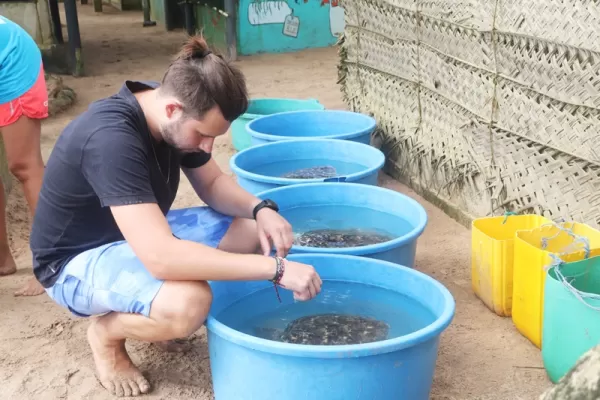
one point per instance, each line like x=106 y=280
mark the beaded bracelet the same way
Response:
x=280 y=269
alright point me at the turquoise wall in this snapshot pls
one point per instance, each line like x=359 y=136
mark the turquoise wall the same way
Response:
x=270 y=26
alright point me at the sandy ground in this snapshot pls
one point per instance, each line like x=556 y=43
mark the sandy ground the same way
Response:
x=43 y=352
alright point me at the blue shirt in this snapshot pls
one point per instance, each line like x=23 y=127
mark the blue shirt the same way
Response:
x=20 y=61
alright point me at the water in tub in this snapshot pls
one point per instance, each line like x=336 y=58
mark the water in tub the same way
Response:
x=344 y=312
x=337 y=226
x=325 y=171
x=307 y=168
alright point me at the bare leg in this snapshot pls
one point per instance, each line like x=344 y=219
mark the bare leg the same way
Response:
x=24 y=156
x=178 y=310
x=241 y=237
x=7 y=263
x=23 y=153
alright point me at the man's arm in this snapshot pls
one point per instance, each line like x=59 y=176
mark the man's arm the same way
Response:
x=220 y=191
x=114 y=162
x=168 y=258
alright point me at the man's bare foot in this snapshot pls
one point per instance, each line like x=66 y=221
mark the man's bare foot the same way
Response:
x=115 y=370
x=174 y=346
x=32 y=288
x=7 y=263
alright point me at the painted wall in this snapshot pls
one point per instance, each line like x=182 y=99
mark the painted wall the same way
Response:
x=275 y=26
x=32 y=16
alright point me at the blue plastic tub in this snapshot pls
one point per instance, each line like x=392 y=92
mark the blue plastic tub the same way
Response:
x=347 y=205
x=259 y=168
x=266 y=106
x=325 y=124
x=246 y=367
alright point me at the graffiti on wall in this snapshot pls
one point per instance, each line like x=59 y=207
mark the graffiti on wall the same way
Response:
x=313 y=23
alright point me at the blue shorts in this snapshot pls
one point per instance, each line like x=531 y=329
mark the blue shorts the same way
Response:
x=112 y=278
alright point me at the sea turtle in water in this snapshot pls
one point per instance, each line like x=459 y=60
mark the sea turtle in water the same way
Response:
x=328 y=329
x=325 y=171
x=331 y=238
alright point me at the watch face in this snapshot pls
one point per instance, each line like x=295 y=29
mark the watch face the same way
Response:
x=266 y=204
x=271 y=204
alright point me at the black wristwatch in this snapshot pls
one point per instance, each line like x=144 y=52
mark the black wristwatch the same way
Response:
x=265 y=203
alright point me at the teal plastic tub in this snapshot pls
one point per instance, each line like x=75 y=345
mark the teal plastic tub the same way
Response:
x=571 y=324
x=266 y=106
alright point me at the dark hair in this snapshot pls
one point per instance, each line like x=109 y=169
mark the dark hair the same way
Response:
x=201 y=79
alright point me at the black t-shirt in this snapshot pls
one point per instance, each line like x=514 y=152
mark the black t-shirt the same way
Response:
x=105 y=157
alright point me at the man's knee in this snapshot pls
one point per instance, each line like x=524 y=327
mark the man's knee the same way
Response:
x=182 y=306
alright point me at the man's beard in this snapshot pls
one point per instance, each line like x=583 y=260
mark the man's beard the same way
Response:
x=169 y=132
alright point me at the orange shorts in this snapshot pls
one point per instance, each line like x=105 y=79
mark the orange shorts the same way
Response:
x=33 y=104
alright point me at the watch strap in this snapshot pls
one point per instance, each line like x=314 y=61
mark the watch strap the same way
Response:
x=264 y=204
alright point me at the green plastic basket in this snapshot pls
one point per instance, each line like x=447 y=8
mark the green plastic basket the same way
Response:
x=571 y=324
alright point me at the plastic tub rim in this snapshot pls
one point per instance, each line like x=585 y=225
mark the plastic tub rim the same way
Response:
x=291 y=181
x=431 y=331
x=350 y=135
x=411 y=235
x=252 y=116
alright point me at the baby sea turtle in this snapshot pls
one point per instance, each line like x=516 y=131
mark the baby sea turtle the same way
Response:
x=328 y=330
x=325 y=171
x=331 y=238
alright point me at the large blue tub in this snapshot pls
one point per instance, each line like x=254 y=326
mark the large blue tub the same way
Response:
x=346 y=205
x=260 y=107
x=246 y=367
x=324 y=124
x=259 y=168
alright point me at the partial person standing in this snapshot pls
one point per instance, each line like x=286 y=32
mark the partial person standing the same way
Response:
x=23 y=104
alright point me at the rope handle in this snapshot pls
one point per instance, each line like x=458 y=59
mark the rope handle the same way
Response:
x=556 y=263
x=508 y=214
x=561 y=226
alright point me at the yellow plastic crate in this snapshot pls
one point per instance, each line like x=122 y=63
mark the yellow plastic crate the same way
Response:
x=529 y=274
x=492 y=241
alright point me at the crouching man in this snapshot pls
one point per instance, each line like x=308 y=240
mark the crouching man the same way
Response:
x=104 y=240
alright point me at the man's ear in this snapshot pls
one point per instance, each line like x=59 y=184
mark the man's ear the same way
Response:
x=173 y=109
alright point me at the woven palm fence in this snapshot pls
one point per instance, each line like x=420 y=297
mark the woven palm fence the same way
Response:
x=483 y=106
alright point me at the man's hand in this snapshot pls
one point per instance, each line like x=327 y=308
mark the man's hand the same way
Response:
x=272 y=227
x=302 y=279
